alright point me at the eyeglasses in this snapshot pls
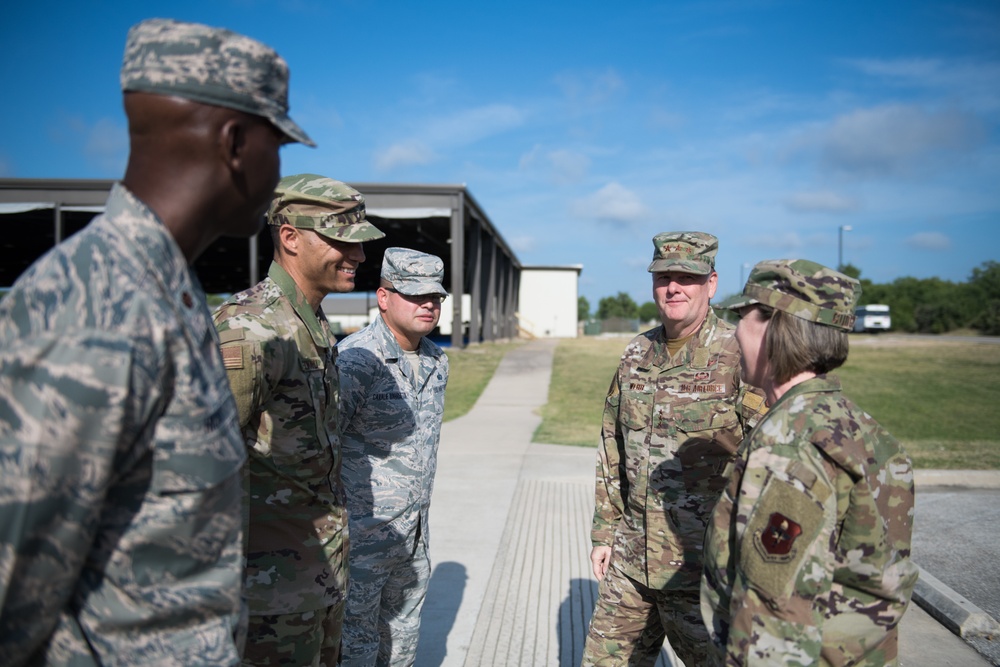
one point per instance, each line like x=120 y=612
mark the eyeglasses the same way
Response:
x=436 y=299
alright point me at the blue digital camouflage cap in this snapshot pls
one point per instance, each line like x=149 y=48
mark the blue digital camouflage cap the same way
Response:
x=804 y=289
x=209 y=65
x=412 y=272
x=687 y=252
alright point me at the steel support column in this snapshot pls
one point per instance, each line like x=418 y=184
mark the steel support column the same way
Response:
x=457 y=268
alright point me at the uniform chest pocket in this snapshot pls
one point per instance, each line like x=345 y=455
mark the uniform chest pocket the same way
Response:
x=300 y=444
x=704 y=416
x=635 y=410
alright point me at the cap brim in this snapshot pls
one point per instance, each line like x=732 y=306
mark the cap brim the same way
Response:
x=356 y=233
x=420 y=289
x=695 y=268
x=292 y=130
x=736 y=302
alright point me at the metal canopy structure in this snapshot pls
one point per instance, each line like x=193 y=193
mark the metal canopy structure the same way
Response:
x=481 y=271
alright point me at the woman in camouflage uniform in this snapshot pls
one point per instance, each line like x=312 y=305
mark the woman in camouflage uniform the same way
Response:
x=807 y=556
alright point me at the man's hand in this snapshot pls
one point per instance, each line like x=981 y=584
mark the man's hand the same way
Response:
x=600 y=557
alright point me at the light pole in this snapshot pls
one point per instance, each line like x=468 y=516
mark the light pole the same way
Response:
x=840 y=247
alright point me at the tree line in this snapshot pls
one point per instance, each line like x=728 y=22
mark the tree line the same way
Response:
x=917 y=305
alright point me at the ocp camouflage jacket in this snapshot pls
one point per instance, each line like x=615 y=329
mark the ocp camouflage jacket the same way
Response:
x=671 y=425
x=808 y=554
x=281 y=361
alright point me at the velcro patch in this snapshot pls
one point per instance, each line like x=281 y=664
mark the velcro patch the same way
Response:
x=780 y=531
x=229 y=335
x=753 y=401
x=232 y=357
x=717 y=388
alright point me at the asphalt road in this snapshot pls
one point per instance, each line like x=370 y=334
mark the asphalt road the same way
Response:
x=956 y=538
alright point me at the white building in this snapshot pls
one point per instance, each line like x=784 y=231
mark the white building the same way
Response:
x=547 y=301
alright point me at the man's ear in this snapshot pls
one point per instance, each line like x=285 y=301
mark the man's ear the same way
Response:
x=233 y=141
x=382 y=298
x=289 y=238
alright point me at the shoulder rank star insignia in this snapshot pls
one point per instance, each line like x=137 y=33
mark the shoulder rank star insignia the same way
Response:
x=780 y=534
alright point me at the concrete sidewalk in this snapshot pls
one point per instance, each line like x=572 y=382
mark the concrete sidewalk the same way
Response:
x=509 y=534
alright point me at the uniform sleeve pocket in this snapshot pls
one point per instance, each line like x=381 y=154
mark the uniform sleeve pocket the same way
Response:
x=781 y=530
x=191 y=457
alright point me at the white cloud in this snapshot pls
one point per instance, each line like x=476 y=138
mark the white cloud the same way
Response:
x=528 y=159
x=663 y=119
x=820 y=202
x=472 y=125
x=786 y=241
x=613 y=204
x=103 y=143
x=403 y=155
x=592 y=88
x=107 y=143
x=974 y=82
x=523 y=243
x=568 y=166
x=929 y=241
x=448 y=133
x=894 y=139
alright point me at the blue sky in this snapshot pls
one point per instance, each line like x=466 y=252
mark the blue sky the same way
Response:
x=585 y=128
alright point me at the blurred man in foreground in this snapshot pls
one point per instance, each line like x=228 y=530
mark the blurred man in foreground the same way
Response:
x=120 y=452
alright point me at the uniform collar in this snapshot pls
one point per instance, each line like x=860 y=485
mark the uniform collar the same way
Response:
x=814 y=385
x=695 y=354
x=390 y=346
x=290 y=289
x=144 y=230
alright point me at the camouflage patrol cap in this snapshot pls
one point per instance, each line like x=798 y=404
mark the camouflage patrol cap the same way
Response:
x=211 y=66
x=804 y=289
x=412 y=272
x=687 y=252
x=331 y=208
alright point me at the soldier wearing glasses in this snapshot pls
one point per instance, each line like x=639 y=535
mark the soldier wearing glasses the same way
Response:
x=392 y=382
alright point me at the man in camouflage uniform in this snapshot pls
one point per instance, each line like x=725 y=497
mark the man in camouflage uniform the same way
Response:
x=279 y=352
x=808 y=552
x=392 y=400
x=120 y=536
x=673 y=418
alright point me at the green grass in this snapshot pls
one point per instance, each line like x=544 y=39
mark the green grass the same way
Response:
x=470 y=371
x=581 y=373
x=940 y=398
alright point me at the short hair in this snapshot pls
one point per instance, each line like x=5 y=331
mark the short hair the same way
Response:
x=275 y=231
x=794 y=345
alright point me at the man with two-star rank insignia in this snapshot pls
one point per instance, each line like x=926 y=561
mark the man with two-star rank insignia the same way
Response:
x=674 y=415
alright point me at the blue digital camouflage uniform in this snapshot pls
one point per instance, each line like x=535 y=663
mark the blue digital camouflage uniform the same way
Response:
x=391 y=418
x=280 y=357
x=808 y=552
x=120 y=452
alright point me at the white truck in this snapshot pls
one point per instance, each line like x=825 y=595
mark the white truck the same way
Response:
x=872 y=318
